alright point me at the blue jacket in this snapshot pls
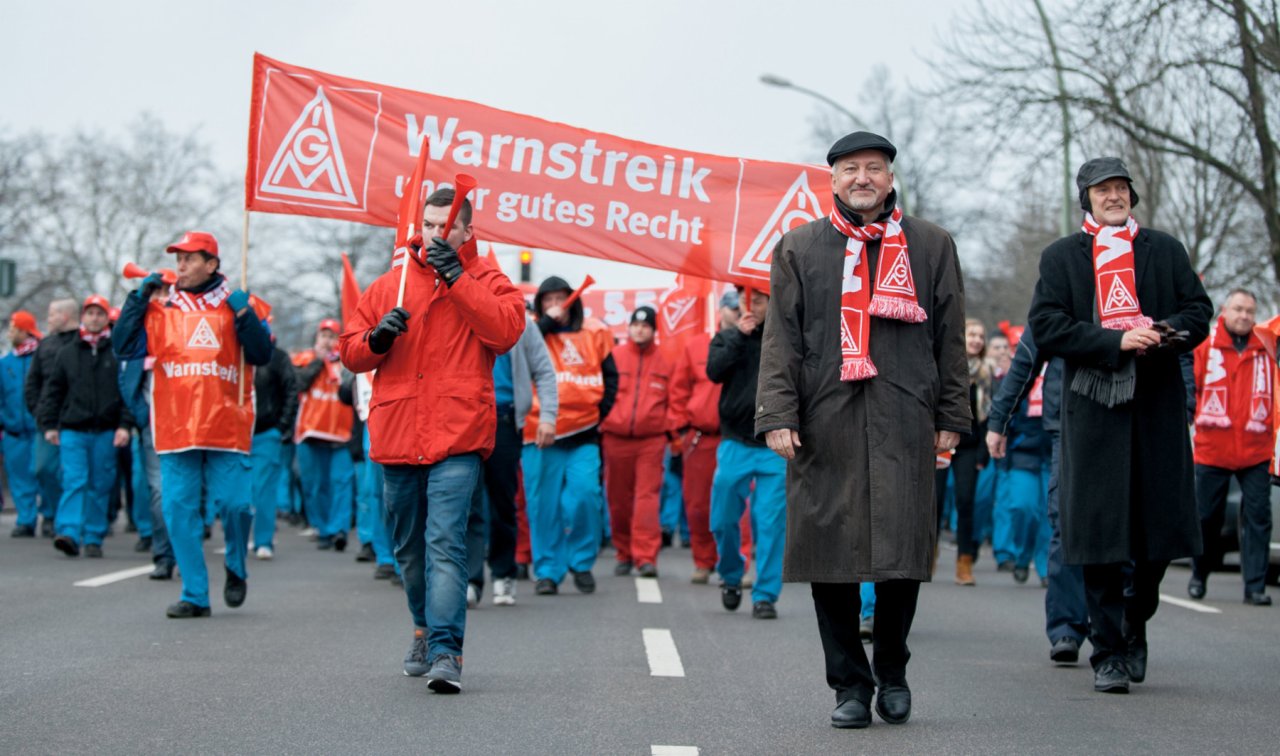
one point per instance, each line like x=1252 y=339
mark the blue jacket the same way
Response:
x=13 y=409
x=1029 y=438
x=133 y=389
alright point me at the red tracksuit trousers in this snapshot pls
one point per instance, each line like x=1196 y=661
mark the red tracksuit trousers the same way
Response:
x=633 y=486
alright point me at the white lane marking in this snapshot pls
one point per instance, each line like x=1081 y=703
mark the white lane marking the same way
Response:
x=660 y=647
x=113 y=577
x=647 y=591
x=661 y=750
x=1192 y=605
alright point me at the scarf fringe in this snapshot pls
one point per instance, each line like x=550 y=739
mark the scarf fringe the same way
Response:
x=1211 y=421
x=1253 y=426
x=896 y=308
x=1105 y=388
x=858 y=369
x=1129 y=323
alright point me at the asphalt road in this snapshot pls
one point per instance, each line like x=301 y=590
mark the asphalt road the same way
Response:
x=312 y=663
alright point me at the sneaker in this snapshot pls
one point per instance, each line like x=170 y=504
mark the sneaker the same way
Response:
x=648 y=571
x=584 y=581
x=235 y=589
x=415 y=662
x=731 y=596
x=446 y=674
x=747 y=579
x=324 y=543
x=163 y=571
x=701 y=576
x=264 y=553
x=384 y=572
x=309 y=532
x=23 y=531
x=546 y=587
x=187 y=610
x=143 y=545
x=473 y=596
x=93 y=550
x=1111 y=676
x=622 y=569
x=764 y=610
x=67 y=545
x=366 y=553
x=1065 y=650
x=867 y=629
x=504 y=592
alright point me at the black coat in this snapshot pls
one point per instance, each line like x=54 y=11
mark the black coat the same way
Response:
x=81 y=391
x=275 y=388
x=733 y=360
x=41 y=364
x=1130 y=463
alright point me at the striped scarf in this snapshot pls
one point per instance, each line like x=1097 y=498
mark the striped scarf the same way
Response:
x=206 y=300
x=1115 y=287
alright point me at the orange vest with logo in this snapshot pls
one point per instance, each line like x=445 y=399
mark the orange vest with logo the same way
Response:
x=195 y=387
x=577 y=358
x=321 y=414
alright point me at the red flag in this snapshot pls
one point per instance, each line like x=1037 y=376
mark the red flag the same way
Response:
x=409 y=214
x=350 y=290
x=682 y=310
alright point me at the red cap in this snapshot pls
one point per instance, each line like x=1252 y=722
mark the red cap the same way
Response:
x=25 y=321
x=96 y=300
x=329 y=324
x=113 y=314
x=195 y=241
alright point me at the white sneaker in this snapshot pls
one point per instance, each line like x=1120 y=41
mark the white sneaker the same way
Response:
x=309 y=532
x=473 y=598
x=504 y=592
x=264 y=553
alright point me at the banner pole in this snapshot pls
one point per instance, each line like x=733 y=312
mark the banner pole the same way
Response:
x=244 y=284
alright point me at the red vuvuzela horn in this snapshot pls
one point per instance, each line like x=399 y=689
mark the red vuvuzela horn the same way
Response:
x=462 y=185
x=575 y=295
x=133 y=270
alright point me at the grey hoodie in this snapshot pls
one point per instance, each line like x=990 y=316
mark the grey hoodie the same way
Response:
x=530 y=364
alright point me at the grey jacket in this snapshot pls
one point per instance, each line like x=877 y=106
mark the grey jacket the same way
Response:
x=530 y=364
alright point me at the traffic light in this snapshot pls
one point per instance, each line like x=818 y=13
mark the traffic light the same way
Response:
x=526 y=266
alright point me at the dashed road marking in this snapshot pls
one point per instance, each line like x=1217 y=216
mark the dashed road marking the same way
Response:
x=660 y=647
x=1192 y=605
x=113 y=577
x=666 y=750
x=647 y=591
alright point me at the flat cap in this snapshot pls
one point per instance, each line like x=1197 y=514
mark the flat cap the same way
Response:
x=1097 y=170
x=860 y=140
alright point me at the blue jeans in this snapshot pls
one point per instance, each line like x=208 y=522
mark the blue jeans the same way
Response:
x=372 y=485
x=267 y=473
x=147 y=491
x=1023 y=495
x=1066 y=615
x=18 y=451
x=737 y=465
x=142 y=519
x=48 y=472
x=565 y=504
x=227 y=479
x=672 y=513
x=88 y=473
x=328 y=484
x=429 y=505
x=868 y=593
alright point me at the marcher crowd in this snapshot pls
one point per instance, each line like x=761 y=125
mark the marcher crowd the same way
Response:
x=842 y=418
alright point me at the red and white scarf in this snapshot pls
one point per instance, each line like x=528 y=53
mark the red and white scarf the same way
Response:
x=1213 y=409
x=26 y=347
x=1115 y=286
x=93 y=339
x=895 y=291
x=208 y=300
x=1035 y=400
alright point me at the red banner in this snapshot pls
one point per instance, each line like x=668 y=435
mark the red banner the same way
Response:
x=334 y=147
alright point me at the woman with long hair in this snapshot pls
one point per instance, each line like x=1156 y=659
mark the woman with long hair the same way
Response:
x=971 y=454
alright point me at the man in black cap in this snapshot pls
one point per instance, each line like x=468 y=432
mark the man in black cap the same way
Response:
x=635 y=436
x=860 y=427
x=1119 y=304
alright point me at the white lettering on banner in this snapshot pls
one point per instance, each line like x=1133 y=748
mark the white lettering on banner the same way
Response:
x=640 y=173
x=513 y=205
x=309 y=153
x=228 y=373
x=798 y=206
x=582 y=380
x=670 y=226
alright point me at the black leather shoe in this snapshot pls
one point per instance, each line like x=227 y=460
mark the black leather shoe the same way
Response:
x=143 y=545
x=764 y=610
x=340 y=542
x=163 y=571
x=893 y=703
x=1257 y=599
x=186 y=609
x=67 y=545
x=585 y=582
x=23 y=531
x=546 y=587
x=647 y=571
x=1195 y=587
x=1111 y=676
x=235 y=589
x=1136 y=661
x=622 y=569
x=851 y=714
x=1066 y=650
x=1020 y=574
x=731 y=596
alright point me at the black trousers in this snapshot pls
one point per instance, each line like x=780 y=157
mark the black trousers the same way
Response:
x=964 y=466
x=1254 y=523
x=1122 y=597
x=839 y=607
x=498 y=522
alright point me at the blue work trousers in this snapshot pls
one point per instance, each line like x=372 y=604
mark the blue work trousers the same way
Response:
x=19 y=449
x=565 y=504
x=267 y=473
x=48 y=471
x=1023 y=495
x=370 y=497
x=737 y=466
x=227 y=479
x=671 y=514
x=88 y=474
x=328 y=486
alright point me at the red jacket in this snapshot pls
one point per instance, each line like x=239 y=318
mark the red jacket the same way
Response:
x=433 y=392
x=695 y=400
x=1230 y=397
x=644 y=378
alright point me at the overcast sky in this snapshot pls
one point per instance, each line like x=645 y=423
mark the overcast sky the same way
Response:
x=683 y=74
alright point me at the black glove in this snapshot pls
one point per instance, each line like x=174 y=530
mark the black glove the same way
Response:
x=385 y=332
x=1170 y=338
x=445 y=260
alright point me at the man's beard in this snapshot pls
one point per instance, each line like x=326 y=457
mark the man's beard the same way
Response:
x=864 y=205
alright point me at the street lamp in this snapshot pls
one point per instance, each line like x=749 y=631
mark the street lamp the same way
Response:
x=774 y=80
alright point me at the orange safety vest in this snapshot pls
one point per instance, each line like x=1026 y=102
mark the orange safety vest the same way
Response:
x=321 y=414
x=577 y=357
x=195 y=386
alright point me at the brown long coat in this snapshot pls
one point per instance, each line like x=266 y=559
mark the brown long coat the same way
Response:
x=860 y=503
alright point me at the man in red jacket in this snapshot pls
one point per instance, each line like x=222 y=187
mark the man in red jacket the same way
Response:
x=432 y=418
x=635 y=437
x=1233 y=438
